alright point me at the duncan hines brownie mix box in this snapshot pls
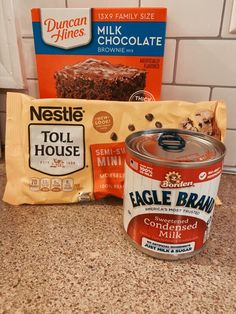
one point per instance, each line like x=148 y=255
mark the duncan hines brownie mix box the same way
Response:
x=108 y=54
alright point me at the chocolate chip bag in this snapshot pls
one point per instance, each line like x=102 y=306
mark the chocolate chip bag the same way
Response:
x=71 y=150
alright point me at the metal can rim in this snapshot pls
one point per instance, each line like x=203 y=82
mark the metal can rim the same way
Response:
x=182 y=164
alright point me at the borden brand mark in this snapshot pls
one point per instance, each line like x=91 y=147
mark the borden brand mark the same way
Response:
x=58 y=113
x=174 y=180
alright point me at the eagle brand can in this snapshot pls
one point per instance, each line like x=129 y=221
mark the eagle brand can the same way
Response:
x=171 y=182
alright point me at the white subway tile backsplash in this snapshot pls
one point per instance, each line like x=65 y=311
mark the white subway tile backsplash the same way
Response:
x=169 y=60
x=23 y=12
x=206 y=62
x=226 y=21
x=102 y=3
x=230 y=158
x=190 y=17
x=186 y=93
x=29 y=57
x=229 y=96
x=32 y=89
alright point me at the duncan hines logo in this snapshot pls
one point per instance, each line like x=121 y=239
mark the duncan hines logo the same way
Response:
x=174 y=180
x=57 y=113
x=66 y=28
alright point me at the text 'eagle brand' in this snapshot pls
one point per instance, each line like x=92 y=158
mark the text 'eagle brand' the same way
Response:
x=192 y=200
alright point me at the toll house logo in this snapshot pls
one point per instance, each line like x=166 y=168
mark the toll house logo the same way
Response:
x=174 y=180
x=66 y=28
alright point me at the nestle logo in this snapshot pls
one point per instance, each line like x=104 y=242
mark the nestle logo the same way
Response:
x=48 y=113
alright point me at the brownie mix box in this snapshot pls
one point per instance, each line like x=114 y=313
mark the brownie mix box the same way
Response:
x=100 y=53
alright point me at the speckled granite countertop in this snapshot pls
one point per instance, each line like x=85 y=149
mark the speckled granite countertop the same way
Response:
x=76 y=259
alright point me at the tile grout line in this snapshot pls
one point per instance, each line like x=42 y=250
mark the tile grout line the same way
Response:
x=175 y=61
x=210 y=38
x=222 y=19
x=199 y=85
x=27 y=37
x=211 y=92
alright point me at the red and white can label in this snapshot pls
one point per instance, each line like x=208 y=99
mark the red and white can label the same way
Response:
x=169 y=210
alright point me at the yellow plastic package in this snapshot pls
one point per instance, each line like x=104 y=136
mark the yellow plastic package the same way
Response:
x=71 y=150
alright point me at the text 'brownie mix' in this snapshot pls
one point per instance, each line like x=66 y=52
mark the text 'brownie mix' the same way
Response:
x=110 y=54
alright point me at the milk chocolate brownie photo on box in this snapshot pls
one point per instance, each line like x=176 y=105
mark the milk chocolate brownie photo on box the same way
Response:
x=99 y=79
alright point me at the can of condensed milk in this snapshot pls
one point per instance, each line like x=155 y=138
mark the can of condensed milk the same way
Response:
x=171 y=182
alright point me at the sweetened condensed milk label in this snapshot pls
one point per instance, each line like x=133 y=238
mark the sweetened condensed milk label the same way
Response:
x=169 y=210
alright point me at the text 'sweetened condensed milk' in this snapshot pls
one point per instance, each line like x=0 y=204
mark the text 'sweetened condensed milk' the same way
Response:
x=171 y=182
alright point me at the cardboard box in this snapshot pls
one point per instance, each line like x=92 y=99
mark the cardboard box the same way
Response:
x=100 y=53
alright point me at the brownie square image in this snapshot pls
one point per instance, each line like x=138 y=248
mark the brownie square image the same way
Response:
x=99 y=79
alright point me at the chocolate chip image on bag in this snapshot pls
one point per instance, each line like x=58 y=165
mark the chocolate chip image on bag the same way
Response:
x=71 y=150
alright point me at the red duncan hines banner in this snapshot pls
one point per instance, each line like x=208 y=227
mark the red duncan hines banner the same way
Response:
x=108 y=54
